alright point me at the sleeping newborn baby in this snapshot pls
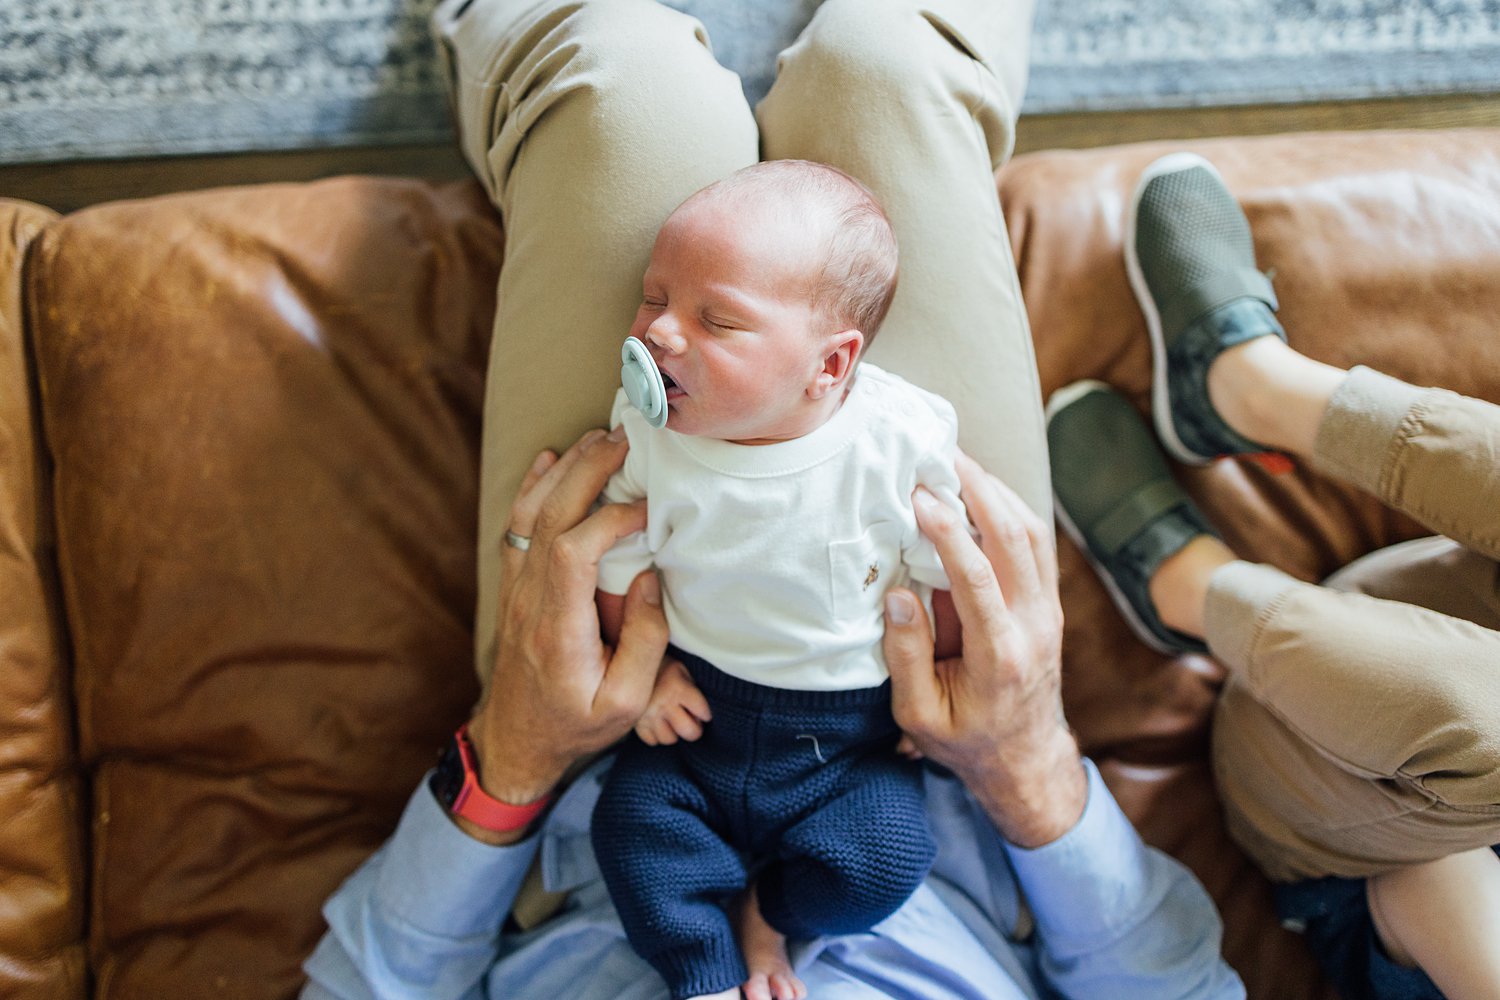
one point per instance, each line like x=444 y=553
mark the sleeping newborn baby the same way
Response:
x=764 y=780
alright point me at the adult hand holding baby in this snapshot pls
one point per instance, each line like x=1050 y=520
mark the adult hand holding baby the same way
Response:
x=557 y=693
x=994 y=714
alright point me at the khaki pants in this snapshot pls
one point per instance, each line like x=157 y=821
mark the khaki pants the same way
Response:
x=1359 y=730
x=588 y=122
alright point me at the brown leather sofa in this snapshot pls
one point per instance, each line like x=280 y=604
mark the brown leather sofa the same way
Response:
x=238 y=436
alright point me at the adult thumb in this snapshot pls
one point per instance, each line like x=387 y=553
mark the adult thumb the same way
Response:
x=642 y=643
x=908 y=652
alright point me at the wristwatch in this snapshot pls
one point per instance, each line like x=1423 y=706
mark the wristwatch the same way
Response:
x=455 y=784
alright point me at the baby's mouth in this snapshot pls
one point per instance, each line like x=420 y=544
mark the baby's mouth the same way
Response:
x=670 y=384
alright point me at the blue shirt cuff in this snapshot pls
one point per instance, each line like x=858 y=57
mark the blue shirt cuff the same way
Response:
x=436 y=878
x=1092 y=882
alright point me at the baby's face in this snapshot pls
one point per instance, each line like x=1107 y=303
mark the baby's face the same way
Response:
x=727 y=314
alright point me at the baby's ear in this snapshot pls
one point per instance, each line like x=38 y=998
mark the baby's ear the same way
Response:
x=838 y=364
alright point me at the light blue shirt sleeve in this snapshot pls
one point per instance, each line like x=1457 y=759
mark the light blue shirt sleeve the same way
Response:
x=1119 y=919
x=1113 y=917
x=422 y=916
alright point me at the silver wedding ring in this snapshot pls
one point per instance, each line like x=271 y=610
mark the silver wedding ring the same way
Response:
x=516 y=541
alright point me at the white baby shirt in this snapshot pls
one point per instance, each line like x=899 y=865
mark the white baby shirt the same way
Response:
x=775 y=559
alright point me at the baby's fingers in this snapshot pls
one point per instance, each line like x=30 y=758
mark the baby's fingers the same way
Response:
x=683 y=724
x=665 y=731
x=692 y=699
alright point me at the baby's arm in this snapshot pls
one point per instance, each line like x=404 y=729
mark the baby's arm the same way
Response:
x=611 y=615
x=948 y=637
x=619 y=566
x=677 y=709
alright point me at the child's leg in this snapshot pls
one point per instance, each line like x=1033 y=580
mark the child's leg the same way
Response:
x=1429 y=453
x=669 y=872
x=1226 y=381
x=853 y=862
x=1444 y=918
x=771 y=975
x=1354 y=734
x=587 y=123
x=919 y=102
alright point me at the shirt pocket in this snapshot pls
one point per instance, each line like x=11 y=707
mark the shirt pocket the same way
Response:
x=860 y=570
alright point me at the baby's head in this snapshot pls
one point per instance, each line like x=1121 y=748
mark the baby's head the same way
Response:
x=762 y=292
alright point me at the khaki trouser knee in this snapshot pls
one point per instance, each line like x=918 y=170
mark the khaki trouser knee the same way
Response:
x=1354 y=734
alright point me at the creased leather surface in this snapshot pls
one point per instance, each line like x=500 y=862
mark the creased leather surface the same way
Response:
x=41 y=828
x=264 y=409
x=1386 y=248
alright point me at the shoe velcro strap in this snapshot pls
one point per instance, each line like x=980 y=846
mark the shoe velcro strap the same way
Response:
x=1226 y=286
x=1126 y=519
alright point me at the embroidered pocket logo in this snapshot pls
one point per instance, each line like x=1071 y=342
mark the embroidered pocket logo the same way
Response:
x=871 y=576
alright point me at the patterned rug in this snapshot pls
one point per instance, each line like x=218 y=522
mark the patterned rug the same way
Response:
x=106 y=78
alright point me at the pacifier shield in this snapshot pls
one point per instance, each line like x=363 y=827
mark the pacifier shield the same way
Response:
x=643 y=383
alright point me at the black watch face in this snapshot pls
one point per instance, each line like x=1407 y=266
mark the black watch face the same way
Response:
x=448 y=777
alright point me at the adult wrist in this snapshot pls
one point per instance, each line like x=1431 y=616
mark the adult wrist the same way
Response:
x=1036 y=795
x=508 y=773
x=458 y=785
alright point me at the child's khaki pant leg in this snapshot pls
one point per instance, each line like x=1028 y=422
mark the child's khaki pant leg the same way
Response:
x=1429 y=453
x=1355 y=734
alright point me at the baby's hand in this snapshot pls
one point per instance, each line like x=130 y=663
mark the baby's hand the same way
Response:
x=677 y=709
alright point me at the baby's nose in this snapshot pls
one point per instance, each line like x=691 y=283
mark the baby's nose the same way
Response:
x=665 y=333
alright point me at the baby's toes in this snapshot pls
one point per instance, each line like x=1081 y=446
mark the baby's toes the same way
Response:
x=758 y=987
x=785 y=986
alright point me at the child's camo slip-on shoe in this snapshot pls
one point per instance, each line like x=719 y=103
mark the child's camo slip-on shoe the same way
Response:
x=1118 y=501
x=1192 y=266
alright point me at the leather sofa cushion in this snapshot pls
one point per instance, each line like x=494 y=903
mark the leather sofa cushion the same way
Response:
x=263 y=406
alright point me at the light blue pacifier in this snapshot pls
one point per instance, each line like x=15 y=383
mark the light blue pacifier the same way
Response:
x=643 y=384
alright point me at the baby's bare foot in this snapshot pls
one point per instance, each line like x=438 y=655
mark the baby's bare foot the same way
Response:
x=771 y=976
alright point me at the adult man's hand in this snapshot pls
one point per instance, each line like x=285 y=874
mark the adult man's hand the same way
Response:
x=993 y=715
x=557 y=693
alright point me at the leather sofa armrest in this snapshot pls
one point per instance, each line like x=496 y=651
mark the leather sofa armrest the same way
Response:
x=41 y=825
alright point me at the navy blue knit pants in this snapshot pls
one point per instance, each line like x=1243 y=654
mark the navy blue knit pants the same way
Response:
x=800 y=791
